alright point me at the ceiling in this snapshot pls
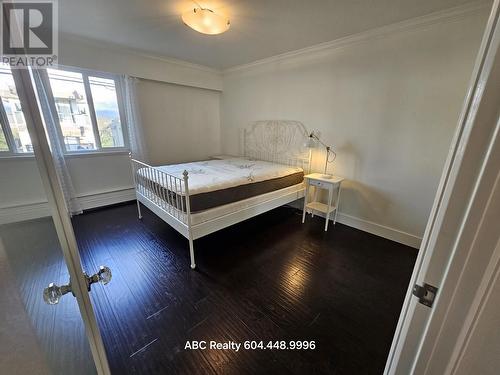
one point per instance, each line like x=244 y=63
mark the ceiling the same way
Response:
x=259 y=28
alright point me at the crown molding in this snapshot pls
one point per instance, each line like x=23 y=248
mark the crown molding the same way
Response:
x=413 y=24
x=126 y=50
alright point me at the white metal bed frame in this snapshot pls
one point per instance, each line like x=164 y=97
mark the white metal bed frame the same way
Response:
x=276 y=141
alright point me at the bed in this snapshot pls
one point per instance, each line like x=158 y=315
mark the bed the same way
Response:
x=199 y=198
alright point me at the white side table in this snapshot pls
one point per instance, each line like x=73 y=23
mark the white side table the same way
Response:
x=332 y=184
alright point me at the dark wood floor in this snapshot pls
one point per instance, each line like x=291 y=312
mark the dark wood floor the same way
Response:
x=30 y=255
x=269 y=278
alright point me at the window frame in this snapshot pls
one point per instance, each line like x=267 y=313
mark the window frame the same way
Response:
x=9 y=136
x=6 y=127
x=92 y=114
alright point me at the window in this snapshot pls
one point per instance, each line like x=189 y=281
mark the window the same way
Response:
x=87 y=105
x=72 y=108
x=88 y=110
x=107 y=112
x=3 y=142
x=14 y=136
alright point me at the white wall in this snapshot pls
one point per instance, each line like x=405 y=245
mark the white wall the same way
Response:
x=181 y=123
x=98 y=179
x=98 y=174
x=20 y=182
x=84 y=53
x=388 y=105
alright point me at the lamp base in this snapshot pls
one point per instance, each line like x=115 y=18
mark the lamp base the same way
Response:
x=328 y=176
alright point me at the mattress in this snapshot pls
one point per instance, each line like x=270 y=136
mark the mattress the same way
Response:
x=216 y=212
x=214 y=183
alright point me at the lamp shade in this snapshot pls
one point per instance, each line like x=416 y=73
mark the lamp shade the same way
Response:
x=310 y=142
x=205 y=21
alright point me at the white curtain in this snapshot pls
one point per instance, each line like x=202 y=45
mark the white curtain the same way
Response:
x=51 y=124
x=132 y=117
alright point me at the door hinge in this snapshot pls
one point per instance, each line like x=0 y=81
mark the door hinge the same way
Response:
x=425 y=294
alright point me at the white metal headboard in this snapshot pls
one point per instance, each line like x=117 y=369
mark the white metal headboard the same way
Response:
x=278 y=141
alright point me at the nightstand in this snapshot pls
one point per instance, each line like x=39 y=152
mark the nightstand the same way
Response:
x=319 y=182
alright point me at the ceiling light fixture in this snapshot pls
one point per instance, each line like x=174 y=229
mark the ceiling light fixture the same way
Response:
x=205 y=21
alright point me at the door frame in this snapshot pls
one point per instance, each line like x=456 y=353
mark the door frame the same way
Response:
x=60 y=215
x=416 y=340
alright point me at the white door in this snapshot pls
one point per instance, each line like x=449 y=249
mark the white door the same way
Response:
x=44 y=330
x=457 y=215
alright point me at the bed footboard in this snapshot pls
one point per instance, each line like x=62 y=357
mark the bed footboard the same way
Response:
x=166 y=195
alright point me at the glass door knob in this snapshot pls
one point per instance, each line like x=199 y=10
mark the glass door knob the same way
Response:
x=53 y=293
x=105 y=275
x=102 y=276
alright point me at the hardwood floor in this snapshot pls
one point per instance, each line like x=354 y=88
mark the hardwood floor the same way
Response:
x=30 y=259
x=269 y=278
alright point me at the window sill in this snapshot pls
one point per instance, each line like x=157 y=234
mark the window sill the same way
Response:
x=75 y=155
x=17 y=156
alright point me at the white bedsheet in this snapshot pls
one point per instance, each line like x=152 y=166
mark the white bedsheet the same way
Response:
x=212 y=175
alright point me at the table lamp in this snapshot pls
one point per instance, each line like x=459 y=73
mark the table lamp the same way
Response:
x=330 y=154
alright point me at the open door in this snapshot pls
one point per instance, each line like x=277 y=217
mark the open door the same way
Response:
x=48 y=323
x=438 y=298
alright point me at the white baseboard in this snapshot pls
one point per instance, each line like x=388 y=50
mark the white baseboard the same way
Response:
x=107 y=198
x=377 y=229
x=37 y=210
x=380 y=230
x=24 y=212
